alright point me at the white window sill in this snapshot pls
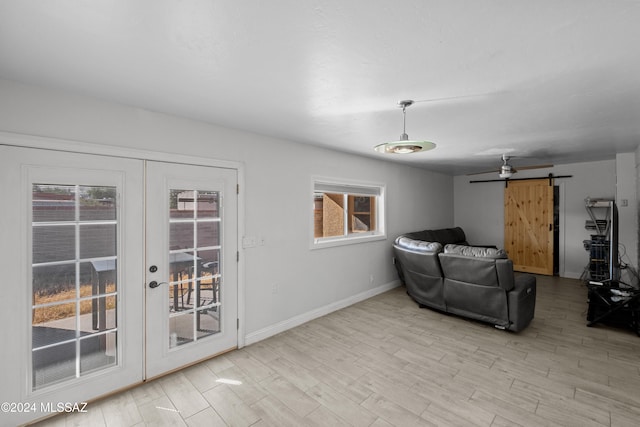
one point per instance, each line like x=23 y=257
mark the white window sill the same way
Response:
x=330 y=242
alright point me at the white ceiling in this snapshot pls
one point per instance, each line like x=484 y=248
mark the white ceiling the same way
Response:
x=555 y=81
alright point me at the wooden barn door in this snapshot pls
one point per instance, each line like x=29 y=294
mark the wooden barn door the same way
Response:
x=528 y=225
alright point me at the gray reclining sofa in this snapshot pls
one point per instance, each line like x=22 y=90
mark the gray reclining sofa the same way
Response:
x=470 y=281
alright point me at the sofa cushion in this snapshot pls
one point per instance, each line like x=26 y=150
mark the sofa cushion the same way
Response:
x=469 y=269
x=418 y=245
x=475 y=251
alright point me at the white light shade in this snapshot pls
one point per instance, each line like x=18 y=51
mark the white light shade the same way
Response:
x=404 y=146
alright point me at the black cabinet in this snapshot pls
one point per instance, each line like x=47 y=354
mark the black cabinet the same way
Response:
x=615 y=306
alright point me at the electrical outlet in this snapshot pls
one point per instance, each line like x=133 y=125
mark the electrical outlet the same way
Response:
x=371 y=278
x=275 y=288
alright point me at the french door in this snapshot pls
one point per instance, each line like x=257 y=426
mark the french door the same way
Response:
x=191 y=258
x=114 y=270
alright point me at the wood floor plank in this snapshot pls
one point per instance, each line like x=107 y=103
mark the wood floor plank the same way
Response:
x=395 y=392
x=612 y=399
x=230 y=407
x=287 y=348
x=297 y=375
x=347 y=410
x=508 y=410
x=262 y=352
x=458 y=413
x=392 y=412
x=244 y=386
x=623 y=419
x=542 y=388
x=349 y=387
x=147 y=392
x=121 y=409
x=94 y=417
x=499 y=421
x=275 y=413
x=424 y=363
x=476 y=376
x=578 y=377
x=518 y=368
x=440 y=388
x=322 y=417
x=201 y=377
x=208 y=417
x=184 y=396
x=250 y=366
x=161 y=412
x=624 y=370
x=374 y=360
x=290 y=395
x=563 y=410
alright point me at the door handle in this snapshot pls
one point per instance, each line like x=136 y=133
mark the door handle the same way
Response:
x=154 y=284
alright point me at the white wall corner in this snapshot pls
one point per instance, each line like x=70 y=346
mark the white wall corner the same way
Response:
x=628 y=220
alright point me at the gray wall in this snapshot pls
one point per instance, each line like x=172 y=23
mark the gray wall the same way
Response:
x=277 y=196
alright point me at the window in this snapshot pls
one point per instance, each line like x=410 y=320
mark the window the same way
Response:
x=346 y=213
x=75 y=289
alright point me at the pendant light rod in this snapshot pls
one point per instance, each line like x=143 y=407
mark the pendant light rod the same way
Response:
x=404 y=104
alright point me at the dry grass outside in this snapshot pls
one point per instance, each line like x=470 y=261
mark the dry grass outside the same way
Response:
x=64 y=311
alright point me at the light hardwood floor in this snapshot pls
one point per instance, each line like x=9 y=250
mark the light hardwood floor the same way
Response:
x=386 y=362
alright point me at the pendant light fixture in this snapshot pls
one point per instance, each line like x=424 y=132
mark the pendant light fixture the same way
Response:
x=404 y=145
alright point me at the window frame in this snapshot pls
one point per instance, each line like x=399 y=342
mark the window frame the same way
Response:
x=349 y=188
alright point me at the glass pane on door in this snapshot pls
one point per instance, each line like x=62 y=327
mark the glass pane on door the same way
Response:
x=74 y=276
x=194 y=265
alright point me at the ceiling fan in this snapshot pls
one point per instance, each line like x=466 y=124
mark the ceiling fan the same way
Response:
x=507 y=170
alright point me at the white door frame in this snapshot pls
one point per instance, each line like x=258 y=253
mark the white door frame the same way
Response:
x=57 y=144
x=22 y=168
x=69 y=146
x=161 y=177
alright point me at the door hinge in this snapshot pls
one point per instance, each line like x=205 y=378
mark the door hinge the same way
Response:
x=237 y=256
x=237 y=323
x=237 y=188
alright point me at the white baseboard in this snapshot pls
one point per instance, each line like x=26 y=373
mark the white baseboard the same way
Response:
x=571 y=274
x=275 y=329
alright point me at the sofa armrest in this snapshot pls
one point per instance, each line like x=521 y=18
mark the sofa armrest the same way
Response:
x=504 y=269
x=524 y=284
x=522 y=302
